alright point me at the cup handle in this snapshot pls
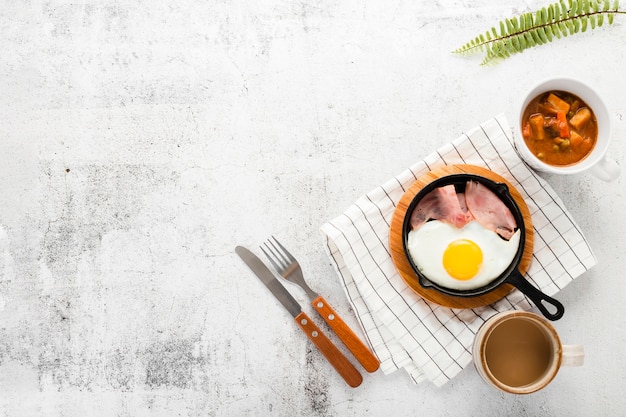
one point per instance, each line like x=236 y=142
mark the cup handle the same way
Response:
x=606 y=169
x=573 y=355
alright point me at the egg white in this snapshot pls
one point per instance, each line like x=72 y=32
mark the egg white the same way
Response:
x=427 y=244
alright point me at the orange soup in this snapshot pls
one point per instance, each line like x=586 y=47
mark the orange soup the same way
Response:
x=559 y=128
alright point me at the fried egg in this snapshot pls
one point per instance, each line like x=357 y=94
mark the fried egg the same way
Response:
x=460 y=258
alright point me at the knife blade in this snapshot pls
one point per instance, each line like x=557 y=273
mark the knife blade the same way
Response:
x=337 y=359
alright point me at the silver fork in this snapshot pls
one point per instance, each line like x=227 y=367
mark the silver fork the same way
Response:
x=289 y=268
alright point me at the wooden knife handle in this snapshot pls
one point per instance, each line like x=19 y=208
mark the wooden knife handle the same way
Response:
x=360 y=351
x=337 y=359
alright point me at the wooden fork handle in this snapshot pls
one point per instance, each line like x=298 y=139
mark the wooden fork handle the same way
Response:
x=360 y=351
x=337 y=359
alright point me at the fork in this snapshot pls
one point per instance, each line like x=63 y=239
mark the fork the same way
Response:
x=289 y=268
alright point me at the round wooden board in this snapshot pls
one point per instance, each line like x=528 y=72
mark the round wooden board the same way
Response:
x=402 y=264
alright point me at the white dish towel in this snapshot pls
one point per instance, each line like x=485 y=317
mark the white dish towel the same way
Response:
x=429 y=341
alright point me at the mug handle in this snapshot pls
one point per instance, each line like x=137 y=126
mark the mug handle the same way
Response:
x=537 y=297
x=606 y=169
x=573 y=355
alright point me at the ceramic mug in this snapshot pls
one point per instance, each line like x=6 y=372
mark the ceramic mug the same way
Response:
x=596 y=162
x=520 y=352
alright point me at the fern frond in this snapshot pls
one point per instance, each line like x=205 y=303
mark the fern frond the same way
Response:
x=530 y=29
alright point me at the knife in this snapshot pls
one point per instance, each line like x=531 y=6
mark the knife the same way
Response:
x=337 y=359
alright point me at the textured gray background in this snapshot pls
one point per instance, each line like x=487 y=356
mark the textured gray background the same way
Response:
x=142 y=140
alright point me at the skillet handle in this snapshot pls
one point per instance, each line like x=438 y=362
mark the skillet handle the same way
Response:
x=537 y=297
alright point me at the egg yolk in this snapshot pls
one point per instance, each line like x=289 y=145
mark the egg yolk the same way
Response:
x=462 y=259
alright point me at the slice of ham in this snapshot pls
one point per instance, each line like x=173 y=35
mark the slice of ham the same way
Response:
x=462 y=202
x=476 y=203
x=489 y=210
x=443 y=204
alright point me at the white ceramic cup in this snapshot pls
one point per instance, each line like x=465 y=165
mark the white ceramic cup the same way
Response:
x=596 y=162
x=508 y=350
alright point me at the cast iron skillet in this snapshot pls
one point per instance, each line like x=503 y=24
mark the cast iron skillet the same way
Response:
x=512 y=274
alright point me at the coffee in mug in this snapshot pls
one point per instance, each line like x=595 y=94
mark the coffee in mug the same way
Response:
x=520 y=352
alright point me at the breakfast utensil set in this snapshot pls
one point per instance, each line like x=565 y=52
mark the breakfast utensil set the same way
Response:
x=289 y=269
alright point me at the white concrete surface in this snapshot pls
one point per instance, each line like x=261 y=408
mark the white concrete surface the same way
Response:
x=142 y=140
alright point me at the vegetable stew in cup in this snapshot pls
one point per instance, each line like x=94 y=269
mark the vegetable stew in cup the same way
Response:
x=564 y=127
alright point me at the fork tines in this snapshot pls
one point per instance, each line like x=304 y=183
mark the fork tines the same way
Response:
x=279 y=257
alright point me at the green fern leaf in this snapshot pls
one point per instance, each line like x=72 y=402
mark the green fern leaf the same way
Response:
x=595 y=5
x=556 y=12
x=526 y=21
x=515 y=44
x=522 y=41
x=509 y=26
x=515 y=25
x=583 y=24
x=557 y=20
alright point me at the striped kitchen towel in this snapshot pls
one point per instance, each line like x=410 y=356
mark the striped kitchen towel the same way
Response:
x=429 y=341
